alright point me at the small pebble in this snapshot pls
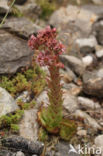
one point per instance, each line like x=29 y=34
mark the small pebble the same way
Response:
x=82 y=133
x=20 y=153
x=99 y=53
x=87 y=60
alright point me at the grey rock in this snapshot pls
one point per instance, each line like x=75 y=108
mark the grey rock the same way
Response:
x=3 y=7
x=88 y=103
x=7 y=103
x=96 y=9
x=21 y=26
x=68 y=75
x=19 y=154
x=99 y=143
x=20 y=144
x=28 y=126
x=73 y=63
x=86 y=45
x=98 y=31
x=72 y=88
x=63 y=149
x=70 y=101
x=93 y=83
x=14 y=53
x=71 y=21
x=72 y=13
x=88 y=120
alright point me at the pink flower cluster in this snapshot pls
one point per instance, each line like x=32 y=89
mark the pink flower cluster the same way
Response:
x=49 y=47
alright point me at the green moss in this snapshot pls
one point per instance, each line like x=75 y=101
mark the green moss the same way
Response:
x=47 y=8
x=7 y=84
x=32 y=80
x=6 y=121
x=24 y=105
x=20 y=82
x=15 y=85
x=29 y=74
x=14 y=128
x=67 y=129
x=43 y=135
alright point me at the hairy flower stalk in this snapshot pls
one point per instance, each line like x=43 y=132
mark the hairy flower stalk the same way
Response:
x=49 y=50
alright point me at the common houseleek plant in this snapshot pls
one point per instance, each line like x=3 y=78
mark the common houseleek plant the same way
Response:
x=49 y=49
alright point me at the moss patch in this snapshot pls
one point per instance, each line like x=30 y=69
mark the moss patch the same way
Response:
x=14 y=128
x=32 y=79
x=10 y=121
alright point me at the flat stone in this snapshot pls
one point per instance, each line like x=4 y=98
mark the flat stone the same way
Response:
x=70 y=102
x=93 y=82
x=7 y=103
x=72 y=13
x=88 y=103
x=89 y=121
x=86 y=45
x=29 y=125
x=64 y=149
x=14 y=53
x=97 y=30
x=72 y=88
x=71 y=21
x=97 y=9
x=21 y=26
x=67 y=75
x=74 y=63
x=90 y=42
x=82 y=133
x=20 y=144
